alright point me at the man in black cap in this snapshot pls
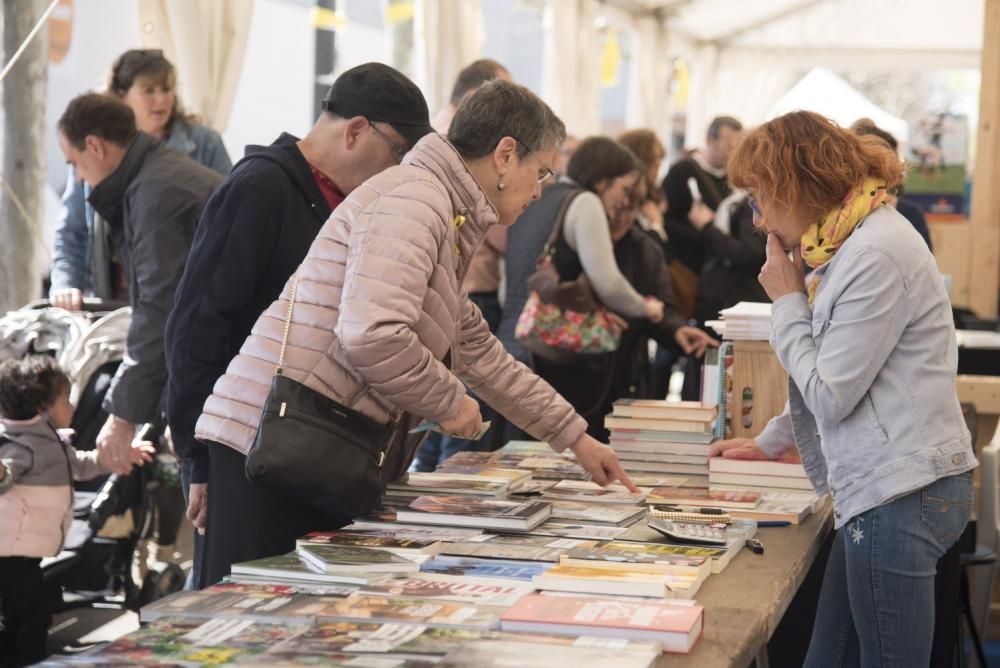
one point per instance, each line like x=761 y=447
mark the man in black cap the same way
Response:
x=258 y=227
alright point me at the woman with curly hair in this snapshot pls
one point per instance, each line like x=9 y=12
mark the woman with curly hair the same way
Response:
x=869 y=346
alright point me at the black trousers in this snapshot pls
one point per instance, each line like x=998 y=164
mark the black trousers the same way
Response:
x=246 y=521
x=194 y=576
x=26 y=614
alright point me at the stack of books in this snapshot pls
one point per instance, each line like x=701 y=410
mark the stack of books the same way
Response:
x=662 y=437
x=675 y=627
x=412 y=485
x=747 y=321
x=751 y=474
x=456 y=510
x=529 y=457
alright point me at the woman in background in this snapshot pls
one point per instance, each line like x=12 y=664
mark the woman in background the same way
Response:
x=599 y=184
x=649 y=149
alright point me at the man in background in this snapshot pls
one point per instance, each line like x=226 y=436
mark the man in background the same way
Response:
x=468 y=82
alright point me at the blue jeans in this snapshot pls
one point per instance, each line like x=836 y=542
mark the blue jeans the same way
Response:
x=876 y=607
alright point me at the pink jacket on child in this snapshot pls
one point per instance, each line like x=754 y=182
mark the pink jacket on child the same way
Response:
x=36 y=494
x=381 y=312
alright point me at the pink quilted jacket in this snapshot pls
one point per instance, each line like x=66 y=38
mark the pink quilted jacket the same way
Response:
x=380 y=304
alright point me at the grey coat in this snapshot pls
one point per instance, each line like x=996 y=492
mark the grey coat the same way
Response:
x=152 y=203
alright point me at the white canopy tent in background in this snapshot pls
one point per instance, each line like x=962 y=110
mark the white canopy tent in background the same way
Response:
x=745 y=55
x=826 y=93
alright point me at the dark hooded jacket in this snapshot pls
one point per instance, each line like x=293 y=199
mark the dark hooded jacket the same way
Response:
x=255 y=232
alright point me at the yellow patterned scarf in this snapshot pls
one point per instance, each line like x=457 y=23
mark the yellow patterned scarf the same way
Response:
x=822 y=240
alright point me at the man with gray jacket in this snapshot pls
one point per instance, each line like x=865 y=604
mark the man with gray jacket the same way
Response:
x=151 y=199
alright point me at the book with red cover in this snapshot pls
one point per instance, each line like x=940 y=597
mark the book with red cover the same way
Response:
x=676 y=627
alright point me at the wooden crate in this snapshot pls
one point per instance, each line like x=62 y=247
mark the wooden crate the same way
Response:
x=760 y=387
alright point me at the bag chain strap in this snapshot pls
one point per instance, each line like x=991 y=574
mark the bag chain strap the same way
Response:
x=288 y=323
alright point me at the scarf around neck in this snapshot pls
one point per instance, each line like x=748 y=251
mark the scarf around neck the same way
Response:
x=822 y=240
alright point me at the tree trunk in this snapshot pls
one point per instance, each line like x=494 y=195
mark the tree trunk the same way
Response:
x=23 y=154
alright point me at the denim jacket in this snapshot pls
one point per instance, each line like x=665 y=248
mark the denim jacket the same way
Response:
x=872 y=403
x=71 y=250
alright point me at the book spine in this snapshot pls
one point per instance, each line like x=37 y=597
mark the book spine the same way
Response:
x=720 y=422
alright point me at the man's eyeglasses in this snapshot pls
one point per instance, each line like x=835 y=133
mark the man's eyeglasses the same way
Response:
x=399 y=150
x=544 y=173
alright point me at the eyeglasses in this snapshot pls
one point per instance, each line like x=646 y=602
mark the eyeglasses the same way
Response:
x=544 y=173
x=399 y=150
x=754 y=207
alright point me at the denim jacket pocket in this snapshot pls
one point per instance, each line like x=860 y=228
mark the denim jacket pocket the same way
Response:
x=946 y=505
x=876 y=419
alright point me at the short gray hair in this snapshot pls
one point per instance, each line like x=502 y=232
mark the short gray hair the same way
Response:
x=503 y=109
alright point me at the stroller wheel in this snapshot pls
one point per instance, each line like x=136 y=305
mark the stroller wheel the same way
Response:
x=161 y=582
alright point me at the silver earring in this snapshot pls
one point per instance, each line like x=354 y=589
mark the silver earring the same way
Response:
x=501 y=185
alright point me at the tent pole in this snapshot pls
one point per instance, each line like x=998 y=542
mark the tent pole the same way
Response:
x=23 y=171
x=984 y=266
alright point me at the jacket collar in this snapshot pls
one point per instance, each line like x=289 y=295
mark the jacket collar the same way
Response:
x=17 y=430
x=436 y=154
x=285 y=153
x=181 y=138
x=109 y=196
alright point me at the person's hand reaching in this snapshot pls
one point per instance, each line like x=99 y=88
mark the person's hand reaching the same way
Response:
x=601 y=462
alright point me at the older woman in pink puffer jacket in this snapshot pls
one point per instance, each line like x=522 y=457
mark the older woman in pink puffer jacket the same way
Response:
x=381 y=321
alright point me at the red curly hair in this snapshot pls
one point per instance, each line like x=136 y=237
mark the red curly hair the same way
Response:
x=805 y=162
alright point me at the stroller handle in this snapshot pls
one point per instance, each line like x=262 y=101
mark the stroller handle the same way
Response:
x=90 y=305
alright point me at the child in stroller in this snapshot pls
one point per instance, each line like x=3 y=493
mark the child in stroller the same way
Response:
x=37 y=467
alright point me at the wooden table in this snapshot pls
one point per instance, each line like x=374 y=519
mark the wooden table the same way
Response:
x=745 y=603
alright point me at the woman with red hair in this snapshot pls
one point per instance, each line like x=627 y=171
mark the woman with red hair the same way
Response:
x=869 y=346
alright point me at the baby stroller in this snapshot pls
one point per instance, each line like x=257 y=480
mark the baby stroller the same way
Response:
x=111 y=515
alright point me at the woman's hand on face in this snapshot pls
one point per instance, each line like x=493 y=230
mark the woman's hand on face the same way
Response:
x=654 y=309
x=467 y=422
x=601 y=462
x=780 y=276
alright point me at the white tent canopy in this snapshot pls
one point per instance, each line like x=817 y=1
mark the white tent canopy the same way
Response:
x=745 y=55
x=826 y=93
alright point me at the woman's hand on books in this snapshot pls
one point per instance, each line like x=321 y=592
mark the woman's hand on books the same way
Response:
x=693 y=341
x=601 y=462
x=468 y=422
x=737 y=448
x=197 y=510
x=747 y=448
